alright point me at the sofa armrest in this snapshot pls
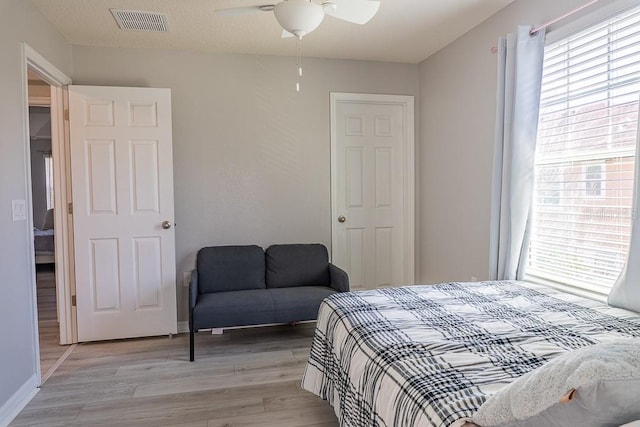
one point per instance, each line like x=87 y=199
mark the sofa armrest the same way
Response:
x=339 y=278
x=193 y=290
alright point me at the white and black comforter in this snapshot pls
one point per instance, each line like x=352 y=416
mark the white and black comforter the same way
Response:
x=431 y=355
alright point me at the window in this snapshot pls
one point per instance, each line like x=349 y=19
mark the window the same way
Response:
x=585 y=156
x=48 y=174
x=594 y=180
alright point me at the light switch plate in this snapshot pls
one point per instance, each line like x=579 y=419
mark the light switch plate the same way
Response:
x=19 y=210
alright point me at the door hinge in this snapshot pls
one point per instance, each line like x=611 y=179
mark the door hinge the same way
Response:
x=70 y=208
x=73 y=301
x=66 y=114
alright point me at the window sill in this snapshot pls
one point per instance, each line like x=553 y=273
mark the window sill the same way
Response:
x=586 y=293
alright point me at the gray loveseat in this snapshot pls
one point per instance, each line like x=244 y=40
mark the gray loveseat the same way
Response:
x=244 y=285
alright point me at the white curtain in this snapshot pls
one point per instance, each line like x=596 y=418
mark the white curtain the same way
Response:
x=520 y=58
x=626 y=291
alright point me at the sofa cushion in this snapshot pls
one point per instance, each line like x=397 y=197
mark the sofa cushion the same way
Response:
x=297 y=265
x=297 y=304
x=230 y=268
x=238 y=308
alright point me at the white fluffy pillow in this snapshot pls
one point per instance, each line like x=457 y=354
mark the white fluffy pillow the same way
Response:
x=606 y=380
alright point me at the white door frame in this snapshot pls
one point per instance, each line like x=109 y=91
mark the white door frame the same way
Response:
x=57 y=80
x=408 y=162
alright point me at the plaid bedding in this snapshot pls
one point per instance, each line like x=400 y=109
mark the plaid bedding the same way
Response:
x=431 y=355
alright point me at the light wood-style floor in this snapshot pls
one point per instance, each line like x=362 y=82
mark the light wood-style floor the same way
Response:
x=48 y=328
x=245 y=377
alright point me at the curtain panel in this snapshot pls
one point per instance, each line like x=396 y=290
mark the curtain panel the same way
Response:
x=520 y=61
x=626 y=291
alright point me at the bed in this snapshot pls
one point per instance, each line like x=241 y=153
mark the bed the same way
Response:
x=44 y=246
x=44 y=240
x=431 y=355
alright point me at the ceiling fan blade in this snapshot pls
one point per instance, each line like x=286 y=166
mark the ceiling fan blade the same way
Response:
x=356 y=11
x=247 y=10
x=286 y=34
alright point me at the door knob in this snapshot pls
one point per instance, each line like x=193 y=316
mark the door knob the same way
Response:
x=166 y=225
x=341 y=218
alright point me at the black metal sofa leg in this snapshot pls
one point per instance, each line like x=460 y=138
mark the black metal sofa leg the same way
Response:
x=191 y=346
x=191 y=336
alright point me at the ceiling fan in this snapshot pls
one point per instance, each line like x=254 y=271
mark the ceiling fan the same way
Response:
x=300 y=17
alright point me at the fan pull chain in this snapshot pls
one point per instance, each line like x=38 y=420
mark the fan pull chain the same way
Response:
x=298 y=62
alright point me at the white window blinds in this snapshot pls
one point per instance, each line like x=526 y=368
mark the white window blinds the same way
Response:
x=585 y=156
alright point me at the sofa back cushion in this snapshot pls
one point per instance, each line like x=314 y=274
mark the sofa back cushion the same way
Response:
x=297 y=265
x=230 y=268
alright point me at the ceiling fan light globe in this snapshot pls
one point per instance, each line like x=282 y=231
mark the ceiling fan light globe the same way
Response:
x=299 y=17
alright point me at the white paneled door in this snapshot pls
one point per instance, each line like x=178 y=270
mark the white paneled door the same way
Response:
x=122 y=187
x=372 y=185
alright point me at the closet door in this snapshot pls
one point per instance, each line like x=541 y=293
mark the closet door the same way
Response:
x=372 y=189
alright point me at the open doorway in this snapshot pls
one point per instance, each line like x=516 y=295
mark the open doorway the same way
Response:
x=52 y=286
x=44 y=231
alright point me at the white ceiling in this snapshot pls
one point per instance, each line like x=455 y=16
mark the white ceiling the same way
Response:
x=402 y=31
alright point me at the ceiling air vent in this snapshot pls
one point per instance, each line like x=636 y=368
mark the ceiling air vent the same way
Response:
x=136 y=20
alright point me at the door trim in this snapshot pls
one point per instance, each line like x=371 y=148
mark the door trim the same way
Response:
x=408 y=161
x=56 y=79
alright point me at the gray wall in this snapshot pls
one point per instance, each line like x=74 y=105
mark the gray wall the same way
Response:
x=457 y=116
x=251 y=156
x=19 y=21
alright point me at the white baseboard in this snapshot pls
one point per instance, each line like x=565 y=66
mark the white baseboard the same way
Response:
x=18 y=401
